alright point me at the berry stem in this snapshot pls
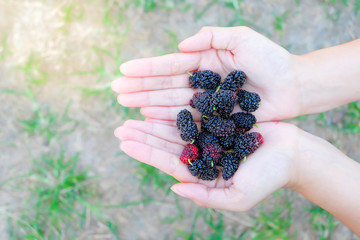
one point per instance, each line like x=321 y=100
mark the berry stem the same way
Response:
x=218 y=88
x=256 y=125
x=214 y=108
x=259 y=103
x=192 y=141
x=212 y=163
x=244 y=160
x=189 y=161
x=205 y=116
x=189 y=73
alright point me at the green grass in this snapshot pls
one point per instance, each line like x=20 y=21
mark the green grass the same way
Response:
x=71 y=13
x=349 y=122
x=46 y=122
x=152 y=5
x=53 y=209
x=155 y=179
x=273 y=224
x=4 y=49
x=59 y=201
x=322 y=222
x=214 y=220
x=356 y=6
x=279 y=21
x=33 y=71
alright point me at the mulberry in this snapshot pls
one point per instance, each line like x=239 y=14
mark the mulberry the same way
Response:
x=200 y=169
x=233 y=81
x=227 y=142
x=246 y=144
x=230 y=163
x=203 y=103
x=189 y=154
x=205 y=79
x=249 y=102
x=243 y=121
x=211 y=154
x=206 y=138
x=194 y=98
x=218 y=126
x=224 y=102
x=185 y=123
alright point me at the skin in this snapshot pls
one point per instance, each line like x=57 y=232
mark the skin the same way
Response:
x=289 y=157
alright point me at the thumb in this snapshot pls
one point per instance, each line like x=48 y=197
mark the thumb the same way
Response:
x=213 y=38
x=221 y=198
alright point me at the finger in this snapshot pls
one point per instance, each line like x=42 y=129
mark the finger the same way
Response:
x=164 y=122
x=228 y=198
x=137 y=84
x=130 y=134
x=214 y=37
x=165 y=132
x=168 y=97
x=169 y=113
x=171 y=64
x=166 y=162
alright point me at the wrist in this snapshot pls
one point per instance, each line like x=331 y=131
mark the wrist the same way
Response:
x=301 y=71
x=327 y=78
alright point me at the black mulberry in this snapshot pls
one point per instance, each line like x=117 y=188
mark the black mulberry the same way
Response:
x=218 y=126
x=205 y=79
x=211 y=154
x=249 y=102
x=185 y=123
x=247 y=143
x=243 y=121
x=200 y=169
x=224 y=102
x=203 y=103
x=206 y=138
x=233 y=81
x=227 y=142
x=230 y=163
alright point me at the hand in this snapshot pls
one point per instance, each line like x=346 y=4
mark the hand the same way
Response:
x=160 y=85
x=270 y=167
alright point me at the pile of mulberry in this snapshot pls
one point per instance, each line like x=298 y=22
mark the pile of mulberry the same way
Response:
x=223 y=140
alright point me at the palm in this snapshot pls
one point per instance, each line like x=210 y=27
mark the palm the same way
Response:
x=160 y=85
x=265 y=171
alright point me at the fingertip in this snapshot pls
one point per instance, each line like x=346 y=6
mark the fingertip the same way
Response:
x=124 y=67
x=116 y=85
x=197 y=42
x=117 y=131
x=119 y=99
x=176 y=188
x=123 y=146
x=194 y=191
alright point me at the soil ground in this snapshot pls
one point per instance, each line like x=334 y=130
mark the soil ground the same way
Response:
x=67 y=49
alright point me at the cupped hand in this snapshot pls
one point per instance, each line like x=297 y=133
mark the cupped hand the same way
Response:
x=160 y=84
x=270 y=167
